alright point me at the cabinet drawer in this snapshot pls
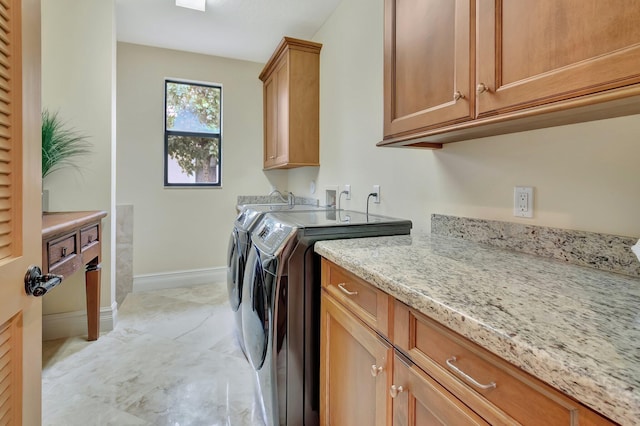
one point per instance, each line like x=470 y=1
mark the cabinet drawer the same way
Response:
x=61 y=249
x=366 y=301
x=88 y=236
x=493 y=388
x=419 y=400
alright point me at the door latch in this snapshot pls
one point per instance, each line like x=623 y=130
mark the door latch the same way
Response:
x=37 y=284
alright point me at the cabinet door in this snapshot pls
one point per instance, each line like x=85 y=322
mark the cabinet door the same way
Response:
x=427 y=64
x=534 y=52
x=282 y=144
x=353 y=369
x=418 y=400
x=270 y=121
x=276 y=124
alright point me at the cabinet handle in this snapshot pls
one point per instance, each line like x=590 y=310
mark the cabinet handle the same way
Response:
x=395 y=390
x=342 y=287
x=64 y=251
x=467 y=377
x=457 y=95
x=375 y=370
x=272 y=157
x=481 y=88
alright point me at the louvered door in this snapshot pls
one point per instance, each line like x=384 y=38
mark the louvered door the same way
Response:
x=20 y=211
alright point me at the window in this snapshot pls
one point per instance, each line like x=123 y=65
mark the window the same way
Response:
x=192 y=138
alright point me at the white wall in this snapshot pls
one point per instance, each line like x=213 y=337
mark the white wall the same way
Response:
x=180 y=229
x=580 y=172
x=78 y=45
x=586 y=176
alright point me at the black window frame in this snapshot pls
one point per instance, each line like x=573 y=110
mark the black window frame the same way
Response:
x=210 y=135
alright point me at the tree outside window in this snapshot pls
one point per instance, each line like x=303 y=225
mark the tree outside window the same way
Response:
x=192 y=139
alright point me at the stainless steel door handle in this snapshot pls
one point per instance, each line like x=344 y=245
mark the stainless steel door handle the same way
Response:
x=37 y=284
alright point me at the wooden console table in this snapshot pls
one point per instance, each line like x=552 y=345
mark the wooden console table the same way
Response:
x=70 y=241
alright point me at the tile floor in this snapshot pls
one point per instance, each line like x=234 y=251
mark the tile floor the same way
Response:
x=171 y=360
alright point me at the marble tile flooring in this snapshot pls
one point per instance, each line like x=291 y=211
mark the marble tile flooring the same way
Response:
x=171 y=360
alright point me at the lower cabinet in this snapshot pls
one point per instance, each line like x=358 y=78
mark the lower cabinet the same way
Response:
x=354 y=369
x=363 y=381
x=384 y=363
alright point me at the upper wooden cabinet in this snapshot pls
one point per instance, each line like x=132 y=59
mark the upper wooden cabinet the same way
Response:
x=457 y=70
x=532 y=53
x=427 y=69
x=292 y=105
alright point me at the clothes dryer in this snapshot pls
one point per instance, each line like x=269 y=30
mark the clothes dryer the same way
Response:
x=281 y=305
x=238 y=250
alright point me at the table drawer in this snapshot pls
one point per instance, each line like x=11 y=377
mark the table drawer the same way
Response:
x=61 y=249
x=490 y=386
x=89 y=236
x=366 y=301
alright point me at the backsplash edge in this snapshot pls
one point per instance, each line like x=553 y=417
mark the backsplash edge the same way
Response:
x=599 y=251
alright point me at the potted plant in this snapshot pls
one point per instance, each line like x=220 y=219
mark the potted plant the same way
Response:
x=60 y=145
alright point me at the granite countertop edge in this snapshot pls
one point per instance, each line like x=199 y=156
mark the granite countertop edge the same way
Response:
x=611 y=396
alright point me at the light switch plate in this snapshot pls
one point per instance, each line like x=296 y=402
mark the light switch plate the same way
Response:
x=523 y=201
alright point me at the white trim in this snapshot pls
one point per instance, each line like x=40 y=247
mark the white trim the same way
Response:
x=178 y=279
x=69 y=324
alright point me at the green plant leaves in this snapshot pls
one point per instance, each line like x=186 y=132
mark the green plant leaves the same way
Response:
x=61 y=146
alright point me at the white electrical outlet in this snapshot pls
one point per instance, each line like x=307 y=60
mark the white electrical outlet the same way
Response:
x=376 y=190
x=523 y=201
x=347 y=190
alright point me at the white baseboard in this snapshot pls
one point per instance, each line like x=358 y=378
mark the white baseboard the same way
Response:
x=178 y=279
x=69 y=324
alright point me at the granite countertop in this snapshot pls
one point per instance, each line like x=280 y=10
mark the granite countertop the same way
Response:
x=574 y=327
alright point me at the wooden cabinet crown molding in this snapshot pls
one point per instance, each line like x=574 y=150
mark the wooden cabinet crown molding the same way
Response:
x=288 y=43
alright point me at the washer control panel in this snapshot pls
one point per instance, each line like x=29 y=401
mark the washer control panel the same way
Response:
x=271 y=234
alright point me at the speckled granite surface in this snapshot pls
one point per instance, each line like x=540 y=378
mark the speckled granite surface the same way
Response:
x=601 y=251
x=575 y=328
x=268 y=199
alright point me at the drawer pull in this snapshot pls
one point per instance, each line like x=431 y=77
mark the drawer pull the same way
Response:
x=345 y=291
x=395 y=390
x=64 y=252
x=375 y=370
x=467 y=377
x=89 y=239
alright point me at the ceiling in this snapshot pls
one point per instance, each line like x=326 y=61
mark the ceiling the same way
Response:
x=239 y=29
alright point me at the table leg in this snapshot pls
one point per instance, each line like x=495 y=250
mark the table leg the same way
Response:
x=92 y=282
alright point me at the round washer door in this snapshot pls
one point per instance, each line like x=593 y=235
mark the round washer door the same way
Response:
x=256 y=312
x=233 y=287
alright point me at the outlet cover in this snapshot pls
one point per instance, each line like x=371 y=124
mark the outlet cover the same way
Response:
x=523 y=201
